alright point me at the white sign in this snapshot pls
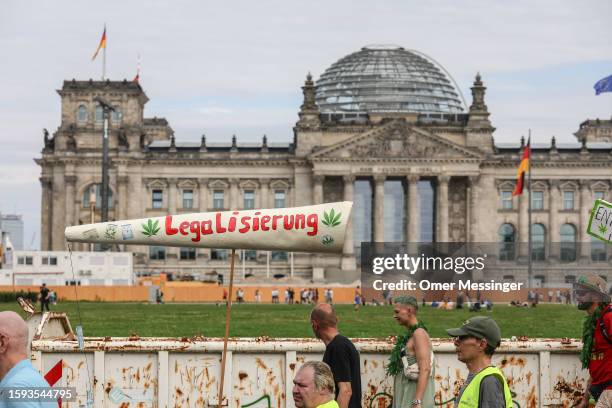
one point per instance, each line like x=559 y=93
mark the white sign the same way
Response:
x=600 y=223
x=315 y=228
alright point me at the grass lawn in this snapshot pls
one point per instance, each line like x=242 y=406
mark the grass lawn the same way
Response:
x=177 y=320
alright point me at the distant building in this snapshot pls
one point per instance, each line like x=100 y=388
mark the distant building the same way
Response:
x=12 y=224
x=54 y=268
x=384 y=127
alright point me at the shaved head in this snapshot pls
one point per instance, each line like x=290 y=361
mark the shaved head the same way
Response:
x=15 y=328
x=324 y=315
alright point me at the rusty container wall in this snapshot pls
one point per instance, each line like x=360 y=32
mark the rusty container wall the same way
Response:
x=156 y=372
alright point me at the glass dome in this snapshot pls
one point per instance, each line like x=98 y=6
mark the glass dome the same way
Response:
x=384 y=78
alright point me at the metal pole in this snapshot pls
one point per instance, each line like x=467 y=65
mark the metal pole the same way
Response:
x=529 y=271
x=92 y=209
x=228 y=314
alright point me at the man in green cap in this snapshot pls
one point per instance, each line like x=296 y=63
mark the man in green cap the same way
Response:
x=485 y=385
x=411 y=360
x=592 y=297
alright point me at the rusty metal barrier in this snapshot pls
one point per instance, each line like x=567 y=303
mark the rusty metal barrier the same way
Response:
x=170 y=372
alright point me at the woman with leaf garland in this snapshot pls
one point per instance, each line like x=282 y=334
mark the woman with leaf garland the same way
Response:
x=411 y=360
x=592 y=297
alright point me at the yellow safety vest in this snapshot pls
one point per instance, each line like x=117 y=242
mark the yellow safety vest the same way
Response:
x=471 y=394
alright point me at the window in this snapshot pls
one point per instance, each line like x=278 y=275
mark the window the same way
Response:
x=568 y=243
x=157 y=198
x=568 y=200
x=187 y=198
x=21 y=260
x=49 y=260
x=82 y=114
x=537 y=200
x=506 y=200
x=157 y=253
x=507 y=238
x=218 y=199
x=538 y=242
x=250 y=255
x=95 y=190
x=570 y=279
x=599 y=195
x=249 y=199
x=279 y=199
x=598 y=250
x=116 y=115
x=188 y=254
x=218 y=254
x=99 y=114
x=279 y=256
x=29 y=260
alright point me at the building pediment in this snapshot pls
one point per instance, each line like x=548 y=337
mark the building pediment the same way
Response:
x=396 y=139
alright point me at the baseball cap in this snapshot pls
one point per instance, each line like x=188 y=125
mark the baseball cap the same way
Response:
x=481 y=327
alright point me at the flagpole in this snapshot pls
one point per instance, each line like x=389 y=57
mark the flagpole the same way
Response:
x=104 y=57
x=529 y=270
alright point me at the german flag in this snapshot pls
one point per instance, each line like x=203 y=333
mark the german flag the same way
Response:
x=523 y=167
x=101 y=45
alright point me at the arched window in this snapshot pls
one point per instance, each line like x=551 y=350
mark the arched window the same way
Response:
x=507 y=239
x=96 y=189
x=82 y=114
x=99 y=114
x=568 y=243
x=538 y=242
x=116 y=115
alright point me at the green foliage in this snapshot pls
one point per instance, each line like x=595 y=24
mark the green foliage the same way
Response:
x=12 y=296
x=331 y=219
x=150 y=228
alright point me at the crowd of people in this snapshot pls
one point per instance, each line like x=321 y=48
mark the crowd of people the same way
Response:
x=335 y=382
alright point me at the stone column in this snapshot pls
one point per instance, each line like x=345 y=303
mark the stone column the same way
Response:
x=412 y=209
x=317 y=194
x=442 y=210
x=46 y=213
x=472 y=205
x=264 y=193
x=203 y=195
x=553 y=219
x=586 y=203
x=348 y=251
x=122 y=199
x=234 y=196
x=379 y=207
x=70 y=181
x=172 y=195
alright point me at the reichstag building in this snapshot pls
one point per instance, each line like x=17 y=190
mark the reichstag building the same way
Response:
x=384 y=127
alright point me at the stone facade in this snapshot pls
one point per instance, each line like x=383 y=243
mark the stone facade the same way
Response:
x=152 y=174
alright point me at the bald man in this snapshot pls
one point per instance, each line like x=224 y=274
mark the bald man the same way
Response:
x=16 y=371
x=340 y=354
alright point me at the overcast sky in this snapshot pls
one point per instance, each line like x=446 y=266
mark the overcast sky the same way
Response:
x=237 y=66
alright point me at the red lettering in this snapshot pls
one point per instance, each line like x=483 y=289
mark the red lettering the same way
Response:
x=256 y=222
x=195 y=229
x=288 y=222
x=232 y=222
x=264 y=220
x=220 y=228
x=206 y=227
x=169 y=229
x=313 y=222
x=183 y=227
x=300 y=221
x=275 y=218
x=245 y=225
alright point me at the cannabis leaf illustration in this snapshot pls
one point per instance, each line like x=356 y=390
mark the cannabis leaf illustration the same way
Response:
x=332 y=219
x=150 y=228
x=327 y=240
x=602 y=229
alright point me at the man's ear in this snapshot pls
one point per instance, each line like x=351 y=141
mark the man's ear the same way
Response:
x=3 y=343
